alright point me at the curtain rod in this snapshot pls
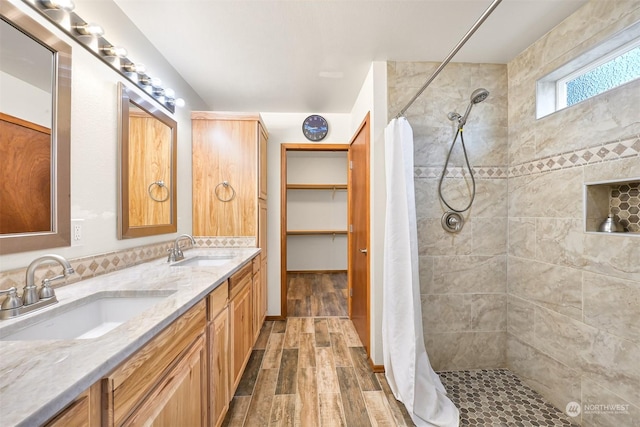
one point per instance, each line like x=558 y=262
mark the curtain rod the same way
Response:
x=455 y=50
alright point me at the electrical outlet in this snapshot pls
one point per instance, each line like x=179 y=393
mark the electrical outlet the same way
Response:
x=77 y=232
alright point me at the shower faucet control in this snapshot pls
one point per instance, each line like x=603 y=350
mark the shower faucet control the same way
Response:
x=452 y=222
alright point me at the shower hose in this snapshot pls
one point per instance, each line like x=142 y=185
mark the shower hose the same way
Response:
x=444 y=170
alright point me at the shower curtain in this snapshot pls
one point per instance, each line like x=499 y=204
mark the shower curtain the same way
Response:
x=406 y=363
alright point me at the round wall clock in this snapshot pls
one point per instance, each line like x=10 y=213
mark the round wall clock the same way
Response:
x=315 y=127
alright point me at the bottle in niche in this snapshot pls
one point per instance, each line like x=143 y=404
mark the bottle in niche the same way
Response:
x=610 y=225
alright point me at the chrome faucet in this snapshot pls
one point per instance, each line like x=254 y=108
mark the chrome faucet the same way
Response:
x=175 y=253
x=30 y=294
x=32 y=299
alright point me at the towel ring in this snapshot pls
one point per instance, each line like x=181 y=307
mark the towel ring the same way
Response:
x=161 y=185
x=225 y=184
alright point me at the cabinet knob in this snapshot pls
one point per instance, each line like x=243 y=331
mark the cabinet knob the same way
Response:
x=364 y=251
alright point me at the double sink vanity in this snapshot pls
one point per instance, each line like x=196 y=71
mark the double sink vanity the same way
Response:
x=158 y=341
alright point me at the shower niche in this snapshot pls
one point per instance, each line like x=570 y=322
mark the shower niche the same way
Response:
x=613 y=207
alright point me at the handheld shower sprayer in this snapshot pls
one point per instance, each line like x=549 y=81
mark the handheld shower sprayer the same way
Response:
x=452 y=221
x=477 y=96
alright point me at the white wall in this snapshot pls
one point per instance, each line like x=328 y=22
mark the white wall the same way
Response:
x=94 y=139
x=373 y=99
x=287 y=128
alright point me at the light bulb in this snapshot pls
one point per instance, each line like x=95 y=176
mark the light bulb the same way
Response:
x=130 y=67
x=144 y=79
x=89 y=29
x=169 y=93
x=67 y=5
x=118 y=51
x=156 y=82
x=179 y=102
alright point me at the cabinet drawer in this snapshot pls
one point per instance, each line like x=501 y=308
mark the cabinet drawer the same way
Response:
x=180 y=399
x=239 y=279
x=218 y=300
x=126 y=387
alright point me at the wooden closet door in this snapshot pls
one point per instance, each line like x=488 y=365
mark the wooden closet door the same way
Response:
x=359 y=268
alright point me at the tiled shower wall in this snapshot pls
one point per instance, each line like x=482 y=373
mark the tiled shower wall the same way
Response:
x=463 y=276
x=571 y=324
x=573 y=297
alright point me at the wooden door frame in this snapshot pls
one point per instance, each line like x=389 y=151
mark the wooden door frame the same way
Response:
x=350 y=245
x=284 y=148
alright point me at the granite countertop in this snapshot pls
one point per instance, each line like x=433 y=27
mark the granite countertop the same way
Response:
x=39 y=378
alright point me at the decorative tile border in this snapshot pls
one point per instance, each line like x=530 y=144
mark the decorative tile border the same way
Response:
x=607 y=151
x=95 y=265
x=480 y=172
x=599 y=153
x=89 y=266
x=225 y=242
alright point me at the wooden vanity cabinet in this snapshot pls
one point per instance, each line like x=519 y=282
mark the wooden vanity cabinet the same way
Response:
x=164 y=383
x=219 y=366
x=241 y=313
x=188 y=373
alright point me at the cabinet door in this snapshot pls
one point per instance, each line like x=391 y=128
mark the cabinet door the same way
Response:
x=262 y=227
x=131 y=383
x=262 y=162
x=180 y=398
x=82 y=412
x=224 y=151
x=241 y=332
x=219 y=367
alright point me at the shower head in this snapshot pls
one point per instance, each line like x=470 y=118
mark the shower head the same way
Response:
x=477 y=96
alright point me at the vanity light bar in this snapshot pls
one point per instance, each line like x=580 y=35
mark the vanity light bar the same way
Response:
x=89 y=35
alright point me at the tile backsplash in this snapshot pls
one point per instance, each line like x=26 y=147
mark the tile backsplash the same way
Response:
x=95 y=265
x=624 y=204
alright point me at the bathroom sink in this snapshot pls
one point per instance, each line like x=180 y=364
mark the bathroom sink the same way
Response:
x=88 y=318
x=204 y=261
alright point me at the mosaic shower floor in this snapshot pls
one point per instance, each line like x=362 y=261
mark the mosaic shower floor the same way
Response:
x=497 y=397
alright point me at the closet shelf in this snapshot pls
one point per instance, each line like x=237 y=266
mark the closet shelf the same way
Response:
x=314 y=232
x=316 y=186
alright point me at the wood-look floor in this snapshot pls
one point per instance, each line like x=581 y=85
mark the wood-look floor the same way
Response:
x=312 y=372
x=316 y=294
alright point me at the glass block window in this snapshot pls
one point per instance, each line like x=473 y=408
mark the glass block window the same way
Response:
x=601 y=76
x=607 y=65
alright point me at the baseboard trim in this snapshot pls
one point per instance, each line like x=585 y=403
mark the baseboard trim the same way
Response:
x=315 y=271
x=377 y=369
x=274 y=318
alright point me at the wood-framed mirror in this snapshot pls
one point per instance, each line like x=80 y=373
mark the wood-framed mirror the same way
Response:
x=147 y=199
x=35 y=123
